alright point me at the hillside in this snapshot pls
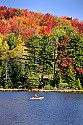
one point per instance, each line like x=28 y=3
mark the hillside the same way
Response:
x=37 y=50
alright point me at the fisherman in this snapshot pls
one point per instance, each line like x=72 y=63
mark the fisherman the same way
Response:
x=35 y=96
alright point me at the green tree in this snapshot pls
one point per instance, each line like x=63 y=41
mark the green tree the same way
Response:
x=45 y=57
x=32 y=60
x=75 y=48
x=72 y=80
x=11 y=41
x=16 y=73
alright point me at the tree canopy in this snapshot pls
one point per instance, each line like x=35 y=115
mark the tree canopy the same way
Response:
x=39 y=49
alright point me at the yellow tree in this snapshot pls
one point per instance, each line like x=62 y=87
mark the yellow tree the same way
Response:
x=11 y=47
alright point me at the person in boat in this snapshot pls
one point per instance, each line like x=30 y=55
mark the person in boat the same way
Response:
x=35 y=96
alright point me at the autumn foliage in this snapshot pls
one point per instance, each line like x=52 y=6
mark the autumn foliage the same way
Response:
x=19 y=26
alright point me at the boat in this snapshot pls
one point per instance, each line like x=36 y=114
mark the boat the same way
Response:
x=37 y=98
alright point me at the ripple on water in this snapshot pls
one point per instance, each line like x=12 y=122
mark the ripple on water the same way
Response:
x=16 y=108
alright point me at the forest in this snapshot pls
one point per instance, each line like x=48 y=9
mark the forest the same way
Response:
x=40 y=50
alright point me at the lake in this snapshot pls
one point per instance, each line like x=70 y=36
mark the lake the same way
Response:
x=16 y=108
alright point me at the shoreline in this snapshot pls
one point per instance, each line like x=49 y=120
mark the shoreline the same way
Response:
x=10 y=90
x=41 y=90
x=58 y=90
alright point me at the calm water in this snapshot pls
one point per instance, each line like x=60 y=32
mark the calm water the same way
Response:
x=55 y=109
